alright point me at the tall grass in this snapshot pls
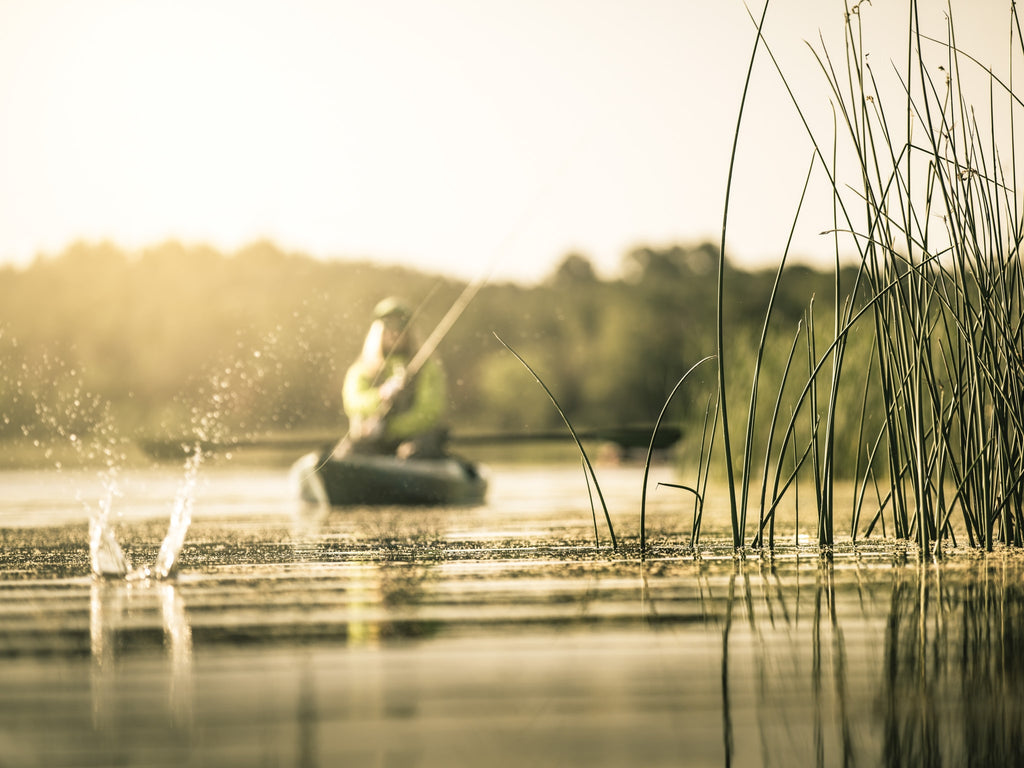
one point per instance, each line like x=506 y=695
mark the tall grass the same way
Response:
x=738 y=517
x=943 y=302
x=698 y=494
x=939 y=441
x=949 y=336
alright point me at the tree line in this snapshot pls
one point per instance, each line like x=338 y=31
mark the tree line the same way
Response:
x=179 y=340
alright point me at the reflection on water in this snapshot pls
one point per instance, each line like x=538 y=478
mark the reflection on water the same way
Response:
x=498 y=636
x=938 y=686
x=800 y=660
x=117 y=609
x=954 y=668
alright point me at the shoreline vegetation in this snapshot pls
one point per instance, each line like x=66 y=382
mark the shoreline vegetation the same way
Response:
x=101 y=347
x=900 y=369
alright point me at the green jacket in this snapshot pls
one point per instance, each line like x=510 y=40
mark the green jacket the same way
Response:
x=422 y=409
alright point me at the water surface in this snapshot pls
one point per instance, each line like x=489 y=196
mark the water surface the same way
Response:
x=498 y=635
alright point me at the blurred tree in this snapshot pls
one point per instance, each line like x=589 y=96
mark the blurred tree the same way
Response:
x=575 y=270
x=176 y=335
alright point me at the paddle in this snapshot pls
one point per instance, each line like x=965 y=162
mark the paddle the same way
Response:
x=624 y=437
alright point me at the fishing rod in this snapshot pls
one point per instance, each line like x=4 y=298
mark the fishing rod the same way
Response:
x=454 y=313
x=436 y=336
x=428 y=347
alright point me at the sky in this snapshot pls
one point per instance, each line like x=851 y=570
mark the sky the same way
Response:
x=462 y=137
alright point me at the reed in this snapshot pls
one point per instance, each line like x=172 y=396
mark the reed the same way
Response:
x=703 y=470
x=583 y=453
x=949 y=339
x=650 y=453
x=738 y=518
x=944 y=306
x=820 y=447
x=940 y=429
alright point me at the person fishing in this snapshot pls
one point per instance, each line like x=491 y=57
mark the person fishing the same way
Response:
x=390 y=410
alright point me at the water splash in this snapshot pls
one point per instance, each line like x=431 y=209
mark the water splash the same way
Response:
x=72 y=420
x=245 y=394
x=306 y=482
x=105 y=553
x=209 y=424
x=67 y=413
x=181 y=518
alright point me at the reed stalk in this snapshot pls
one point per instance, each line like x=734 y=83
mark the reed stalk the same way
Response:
x=945 y=304
x=737 y=523
x=704 y=468
x=575 y=437
x=650 y=454
x=748 y=447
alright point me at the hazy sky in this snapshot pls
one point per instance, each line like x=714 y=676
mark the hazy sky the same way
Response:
x=452 y=135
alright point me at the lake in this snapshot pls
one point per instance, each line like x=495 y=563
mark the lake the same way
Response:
x=492 y=636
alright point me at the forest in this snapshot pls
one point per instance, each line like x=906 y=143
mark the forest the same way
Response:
x=184 y=341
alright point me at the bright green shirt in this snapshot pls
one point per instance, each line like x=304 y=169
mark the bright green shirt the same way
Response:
x=429 y=393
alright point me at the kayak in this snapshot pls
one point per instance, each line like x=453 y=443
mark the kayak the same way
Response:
x=363 y=479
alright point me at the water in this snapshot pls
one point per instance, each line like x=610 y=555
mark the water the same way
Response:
x=490 y=636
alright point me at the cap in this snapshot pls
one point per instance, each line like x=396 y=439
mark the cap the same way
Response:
x=392 y=307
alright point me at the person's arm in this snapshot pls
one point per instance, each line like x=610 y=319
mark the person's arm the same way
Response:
x=359 y=395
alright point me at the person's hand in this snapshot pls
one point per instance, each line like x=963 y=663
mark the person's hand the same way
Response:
x=389 y=389
x=372 y=429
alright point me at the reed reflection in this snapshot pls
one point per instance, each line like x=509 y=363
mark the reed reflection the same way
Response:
x=954 y=667
x=784 y=698
x=895 y=665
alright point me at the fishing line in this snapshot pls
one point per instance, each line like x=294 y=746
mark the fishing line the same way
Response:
x=467 y=295
x=472 y=288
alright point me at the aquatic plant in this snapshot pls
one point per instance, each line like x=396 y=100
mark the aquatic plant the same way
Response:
x=650 y=453
x=583 y=453
x=945 y=303
x=737 y=520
